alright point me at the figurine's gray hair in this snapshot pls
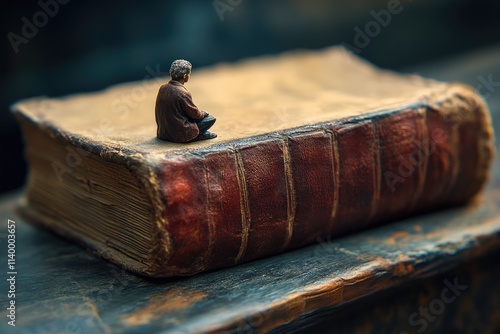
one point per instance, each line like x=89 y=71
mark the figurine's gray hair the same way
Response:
x=179 y=68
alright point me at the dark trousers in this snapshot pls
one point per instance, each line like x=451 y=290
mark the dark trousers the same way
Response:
x=206 y=123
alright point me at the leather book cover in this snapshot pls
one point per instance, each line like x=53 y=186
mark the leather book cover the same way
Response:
x=311 y=144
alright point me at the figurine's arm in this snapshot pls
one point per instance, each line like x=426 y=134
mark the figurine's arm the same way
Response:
x=191 y=109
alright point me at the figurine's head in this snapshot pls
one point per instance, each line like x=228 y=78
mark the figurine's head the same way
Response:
x=180 y=70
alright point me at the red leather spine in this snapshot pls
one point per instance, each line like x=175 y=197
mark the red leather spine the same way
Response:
x=184 y=185
x=400 y=150
x=243 y=201
x=358 y=175
x=313 y=167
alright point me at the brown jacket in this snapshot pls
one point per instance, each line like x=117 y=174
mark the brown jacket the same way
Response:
x=176 y=113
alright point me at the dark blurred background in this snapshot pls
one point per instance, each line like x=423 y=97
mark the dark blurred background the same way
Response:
x=89 y=45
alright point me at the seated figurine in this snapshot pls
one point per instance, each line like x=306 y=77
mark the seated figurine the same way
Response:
x=177 y=117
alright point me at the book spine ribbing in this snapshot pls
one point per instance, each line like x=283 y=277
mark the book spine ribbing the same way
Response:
x=260 y=198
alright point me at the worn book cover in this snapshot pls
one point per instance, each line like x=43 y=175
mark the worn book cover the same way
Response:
x=310 y=144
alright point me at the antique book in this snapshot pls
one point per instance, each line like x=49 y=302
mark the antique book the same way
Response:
x=311 y=144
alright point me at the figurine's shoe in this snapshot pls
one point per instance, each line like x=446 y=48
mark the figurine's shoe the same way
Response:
x=206 y=135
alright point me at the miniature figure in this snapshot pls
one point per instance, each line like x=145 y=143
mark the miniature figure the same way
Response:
x=177 y=117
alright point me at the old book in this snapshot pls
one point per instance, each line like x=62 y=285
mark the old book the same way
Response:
x=310 y=144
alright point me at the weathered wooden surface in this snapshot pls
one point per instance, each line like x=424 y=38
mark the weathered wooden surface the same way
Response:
x=63 y=289
x=423 y=306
